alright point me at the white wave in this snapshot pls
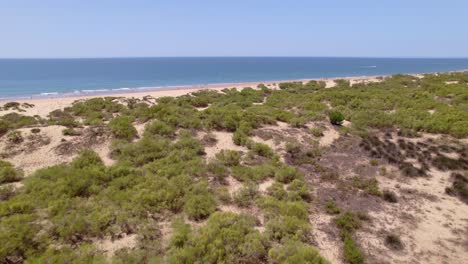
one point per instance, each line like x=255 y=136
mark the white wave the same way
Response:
x=94 y=91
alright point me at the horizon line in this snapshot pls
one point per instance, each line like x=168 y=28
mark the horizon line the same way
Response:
x=175 y=57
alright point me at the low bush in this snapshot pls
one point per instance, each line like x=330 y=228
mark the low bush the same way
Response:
x=199 y=203
x=159 y=128
x=459 y=186
x=316 y=132
x=370 y=186
x=262 y=150
x=8 y=173
x=298 y=191
x=348 y=223
x=390 y=196
x=15 y=137
x=287 y=174
x=286 y=227
x=122 y=128
x=70 y=132
x=351 y=251
x=3 y=127
x=292 y=252
x=332 y=208
x=246 y=195
x=6 y=192
x=225 y=238
x=223 y=194
x=336 y=118
x=277 y=191
x=393 y=242
x=228 y=157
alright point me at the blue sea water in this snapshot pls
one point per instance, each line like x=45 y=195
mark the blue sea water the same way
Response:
x=45 y=77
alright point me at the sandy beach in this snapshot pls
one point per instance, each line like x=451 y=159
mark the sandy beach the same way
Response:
x=44 y=105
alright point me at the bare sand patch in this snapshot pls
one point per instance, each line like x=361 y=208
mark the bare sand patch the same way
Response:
x=140 y=128
x=30 y=157
x=326 y=238
x=330 y=134
x=263 y=187
x=110 y=246
x=224 y=141
x=233 y=185
x=330 y=83
x=40 y=157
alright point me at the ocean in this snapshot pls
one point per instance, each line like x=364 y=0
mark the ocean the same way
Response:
x=25 y=78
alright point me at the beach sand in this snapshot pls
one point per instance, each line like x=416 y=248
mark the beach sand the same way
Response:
x=43 y=106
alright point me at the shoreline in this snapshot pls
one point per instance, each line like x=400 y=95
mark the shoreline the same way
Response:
x=125 y=92
x=44 y=105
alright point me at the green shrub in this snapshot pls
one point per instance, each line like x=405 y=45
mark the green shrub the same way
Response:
x=287 y=174
x=3 y=127
x=223 y=194
x=316 y=132
x=8 y=173
x=292 y=252
x=336 y=118
x=200 y=203
x=14 y=120
x=293 y=147
x=159 y=128
x=6 y=192
x=287 y=227
x=70 y=132
x=85 y=253
x=351 y=252
x=298 y=122
x=18 y=237
x=228 y=157
x=332 y=208
x=298 y=191
x=15 y=137
x=348 y=222
x=226 y=238
x=245 y=196
x=87 y=158
x=277 y=191
x=390 y=196
x=121 y=127
x=262 y=150
x=370 y=186
x=62 y=118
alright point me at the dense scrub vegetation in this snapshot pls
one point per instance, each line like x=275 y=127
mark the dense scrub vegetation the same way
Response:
x=163 y=178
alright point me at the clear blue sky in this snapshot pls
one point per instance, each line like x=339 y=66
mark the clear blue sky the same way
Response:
x=127 y=28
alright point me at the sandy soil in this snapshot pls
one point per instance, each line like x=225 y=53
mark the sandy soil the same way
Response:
x=110 y=246
x=30 y=157
x=224 y=141
x=43 y=106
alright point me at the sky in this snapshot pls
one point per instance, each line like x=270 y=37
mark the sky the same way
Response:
x=154 y=28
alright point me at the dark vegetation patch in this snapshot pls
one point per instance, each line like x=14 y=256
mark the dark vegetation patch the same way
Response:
x=459 y=186
x=8 y=173
x=89 y=137
x=427 y=154
x=393 y=242
x=13 y=121
x=16 y=106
